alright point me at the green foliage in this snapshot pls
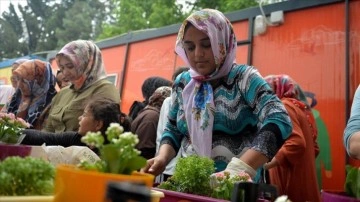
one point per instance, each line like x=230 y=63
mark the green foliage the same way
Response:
x=224 y=5
x=51 y=24
x=352 y=182
x=192 y=175
x=26 y=176
x=119 y=156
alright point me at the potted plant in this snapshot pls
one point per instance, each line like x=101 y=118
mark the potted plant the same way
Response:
x=26 y=179
x=192 y=181
x=352 y=188
x=10 y=135
x=119 y=162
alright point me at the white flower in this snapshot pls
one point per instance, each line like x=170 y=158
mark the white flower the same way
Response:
x=282 y=198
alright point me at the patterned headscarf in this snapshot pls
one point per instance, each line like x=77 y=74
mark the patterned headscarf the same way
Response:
x=198 y=93
x=87 y=60
x=18 y=62
x=286 y=87
x=157 y=98
x=36 y=83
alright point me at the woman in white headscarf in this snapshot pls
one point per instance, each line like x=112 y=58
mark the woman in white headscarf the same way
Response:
x=81 y=63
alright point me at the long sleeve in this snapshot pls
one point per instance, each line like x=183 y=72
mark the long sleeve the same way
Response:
x=295 y=145
x=353 y=124
x=145 y=125
x=66 y=139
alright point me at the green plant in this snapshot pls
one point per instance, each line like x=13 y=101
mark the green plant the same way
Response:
x=352 y=182
x=192 y=175
x=26 y=176
x=10 y=128
x=119 y=155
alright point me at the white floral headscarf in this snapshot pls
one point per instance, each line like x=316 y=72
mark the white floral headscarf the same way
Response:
x=87 y=59
x=198 y=93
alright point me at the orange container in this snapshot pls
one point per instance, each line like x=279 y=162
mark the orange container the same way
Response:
x=73 y=184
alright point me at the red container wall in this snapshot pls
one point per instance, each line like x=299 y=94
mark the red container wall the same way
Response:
x=114 y=59
x=310 y=47
x=147 y=58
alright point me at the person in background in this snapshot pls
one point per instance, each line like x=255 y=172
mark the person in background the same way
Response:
x=148 y=88
x=82 y=64
x=9 y=91
x=293 y=169
x=35 y=90
x=97 y=116
x=352 y=129
x=146 y=123
x=217 y=105
x=61 y=81
x=170 y=168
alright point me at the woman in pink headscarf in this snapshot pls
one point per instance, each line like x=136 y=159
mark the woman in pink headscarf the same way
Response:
x=292 y=169
x=81 y=63
x=218 y=105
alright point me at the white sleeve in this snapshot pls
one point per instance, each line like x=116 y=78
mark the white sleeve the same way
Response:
x=163 y=118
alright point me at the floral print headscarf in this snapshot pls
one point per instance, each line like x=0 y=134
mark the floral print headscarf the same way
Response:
x=157 y=98
x=36 y=88
x=87 y=59
x=198 y=93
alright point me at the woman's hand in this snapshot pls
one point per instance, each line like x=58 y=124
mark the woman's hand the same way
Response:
x=155 y=166
x=158 y=164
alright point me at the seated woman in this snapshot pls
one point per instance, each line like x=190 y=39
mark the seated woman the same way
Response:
x=97 y=116
x=10 y=90
x=82 y=64
x=35 y=90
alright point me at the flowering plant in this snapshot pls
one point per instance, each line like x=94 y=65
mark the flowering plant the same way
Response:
x=225 y=184
x=11 y=127
x=118 y=156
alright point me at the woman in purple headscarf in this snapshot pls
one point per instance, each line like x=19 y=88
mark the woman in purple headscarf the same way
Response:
x=218 y=105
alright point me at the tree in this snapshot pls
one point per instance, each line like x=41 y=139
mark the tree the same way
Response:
x=224 y=5
x=165 y=12
x=11 y=33
x=37 y=23
x=9 y=43
x=77 y=24
x=132 y=15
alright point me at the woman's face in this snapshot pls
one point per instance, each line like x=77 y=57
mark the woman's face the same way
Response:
x=87 y=123
x=198 y=50
x=68 y=69
x=13 y=78
x=61 y=80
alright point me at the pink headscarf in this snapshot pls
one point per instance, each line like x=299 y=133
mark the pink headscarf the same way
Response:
x=198 y=97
